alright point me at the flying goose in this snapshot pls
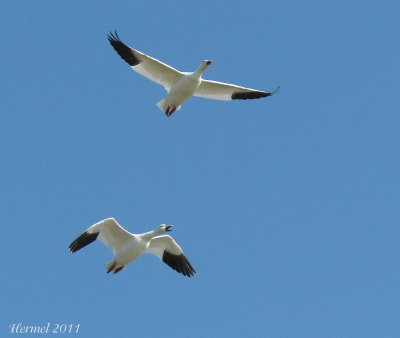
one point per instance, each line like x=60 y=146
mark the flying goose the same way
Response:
x=181 y=85
x=127 y=247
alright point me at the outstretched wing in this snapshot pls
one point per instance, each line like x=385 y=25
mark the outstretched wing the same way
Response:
x=108 y=231
x=145 y=65
x=225 y=91
x=171 y=253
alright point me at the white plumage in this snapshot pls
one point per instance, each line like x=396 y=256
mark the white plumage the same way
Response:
x=127 y=246
x=181 y=85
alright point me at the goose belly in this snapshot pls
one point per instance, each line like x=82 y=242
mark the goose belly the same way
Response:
x=129 y=253
x=183 y=89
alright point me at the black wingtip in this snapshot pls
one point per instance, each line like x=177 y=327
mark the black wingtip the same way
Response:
x=125 y=52
x=179 y=263
x=249 y=95
x=113 y=36
x=82 y=241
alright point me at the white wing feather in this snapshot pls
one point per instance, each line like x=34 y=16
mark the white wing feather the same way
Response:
x=111 y=233
x=217 y=90
x=145 y=65
x=156 y=71
x=160 y=244
x=225 y=91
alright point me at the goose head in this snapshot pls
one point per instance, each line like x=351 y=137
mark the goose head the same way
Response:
x=203 y=66
x=166 y=227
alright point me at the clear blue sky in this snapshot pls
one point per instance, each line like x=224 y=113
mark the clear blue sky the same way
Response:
x=288 y=207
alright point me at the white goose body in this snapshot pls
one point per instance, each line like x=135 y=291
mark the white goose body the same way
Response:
x=181 y=85
x=127 y=246
x=133 y=249
x=183 y=89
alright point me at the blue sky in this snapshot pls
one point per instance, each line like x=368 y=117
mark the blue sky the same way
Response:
x=287 y=207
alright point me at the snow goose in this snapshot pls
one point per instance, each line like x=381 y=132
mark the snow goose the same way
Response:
x=127 y=247
x=181 y=85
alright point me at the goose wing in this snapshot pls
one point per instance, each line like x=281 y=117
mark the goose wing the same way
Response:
x=225 y=91
x=171 y=254
x=145 y=65
x=108 y=231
